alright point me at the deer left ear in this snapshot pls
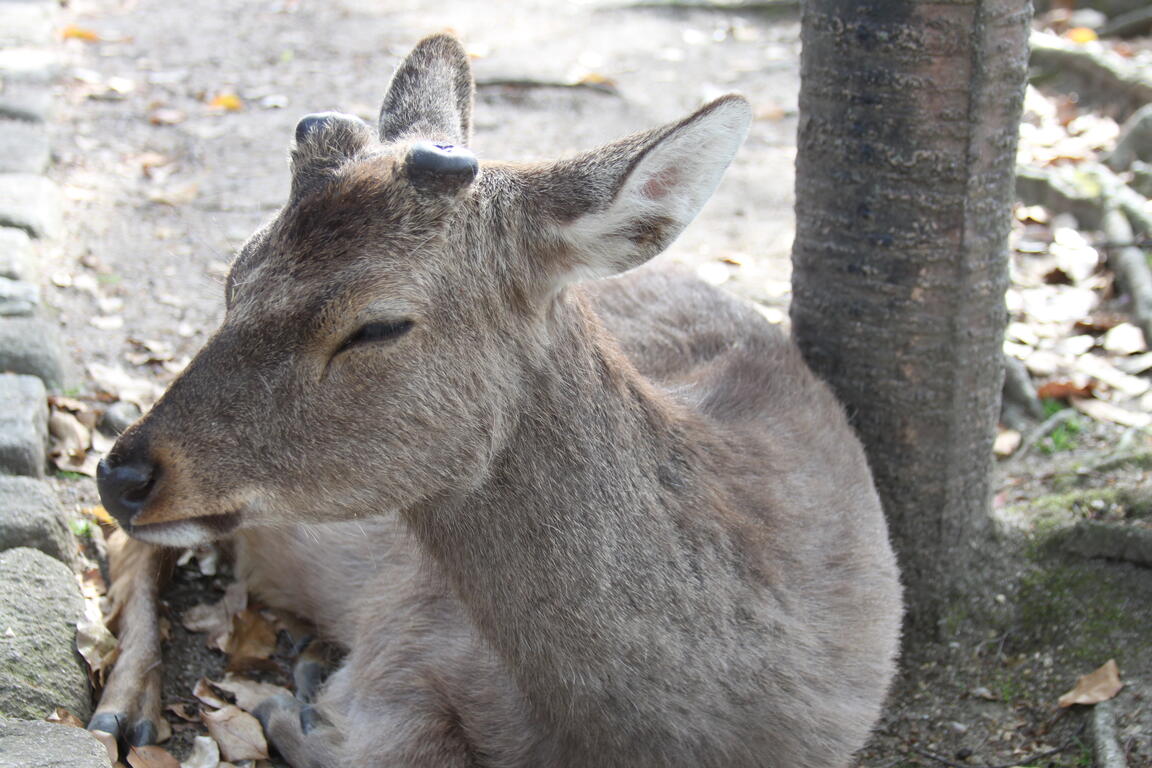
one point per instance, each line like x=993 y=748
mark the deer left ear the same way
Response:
x=621 y=204
x=430 y=96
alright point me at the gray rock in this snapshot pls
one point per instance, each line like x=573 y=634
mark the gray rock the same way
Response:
x=119 y=416
x=31 y=203
x=23 y=425
x=30 y=516
x=28 y=23
x=32 y=346
x=38 y=744
x=21 y=101
x=23 y=145
x=16 y=254
x=18 y=298
x=39 y=666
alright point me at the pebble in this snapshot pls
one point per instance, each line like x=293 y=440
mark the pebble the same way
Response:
x=119 y=416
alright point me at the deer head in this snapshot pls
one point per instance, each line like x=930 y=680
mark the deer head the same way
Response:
x=380 y=329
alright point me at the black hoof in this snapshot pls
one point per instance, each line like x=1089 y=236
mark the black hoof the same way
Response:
x=265 y=709
x=109 y=722
x=309 y=719
x=142 y=733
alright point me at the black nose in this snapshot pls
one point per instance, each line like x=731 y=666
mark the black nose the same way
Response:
x=124 y=488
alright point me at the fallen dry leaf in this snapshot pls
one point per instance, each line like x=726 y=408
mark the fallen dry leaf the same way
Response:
x=205 y=754
x=215 y=619
x=1007 y=441
x=167 y=116
x=121 y=386
x=151 y=757
x=249 y=693
x=64 y=717
x=176 y=195
x=1102 y=411
x=109 y=742
x=1095 y=687
x=100 y=515
x=238 y=733
x=184 y=711
x=204 y=691
x=1081 y=35
x=253 y=638
x=73 y=32
x=1063 y=390
x=227 y=101
x=70 y=438
x=96 y=644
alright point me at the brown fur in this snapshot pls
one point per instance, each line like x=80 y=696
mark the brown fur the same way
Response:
x=613 y=523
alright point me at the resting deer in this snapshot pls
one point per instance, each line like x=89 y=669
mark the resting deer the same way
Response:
x=554 y=520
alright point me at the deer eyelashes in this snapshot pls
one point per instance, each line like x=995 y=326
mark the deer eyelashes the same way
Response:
x=372 y=333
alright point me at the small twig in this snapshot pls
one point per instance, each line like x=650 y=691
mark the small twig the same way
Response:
x=1128 y=24
x=1042 y=431
x=1106 y=748
x=1143 y=243
x=1132 y=272
x=1023 y=761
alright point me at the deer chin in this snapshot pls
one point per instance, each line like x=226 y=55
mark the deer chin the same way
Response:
x=186 y=533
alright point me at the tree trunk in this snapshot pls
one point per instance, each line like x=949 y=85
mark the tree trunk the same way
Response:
x=909 y=114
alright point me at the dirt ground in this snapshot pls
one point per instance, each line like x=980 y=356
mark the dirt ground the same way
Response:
x=171 y=148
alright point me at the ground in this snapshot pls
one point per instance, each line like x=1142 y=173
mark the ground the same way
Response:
x=171 y=148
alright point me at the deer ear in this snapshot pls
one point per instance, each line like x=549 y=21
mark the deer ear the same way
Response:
x=431 y=94
x=623 y=203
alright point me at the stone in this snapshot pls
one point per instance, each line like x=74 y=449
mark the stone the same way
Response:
x=23 y=146
x=23 y=425
x=39 y=666
x=40 y=744
x=28 y=23
x=22 y=101
x=16 y=261
x=119 y=416
x=31 y=203
x=18 y=298
x=30 y=516
x=32 y=346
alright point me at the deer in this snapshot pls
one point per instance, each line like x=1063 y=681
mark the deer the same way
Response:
x=561 y=507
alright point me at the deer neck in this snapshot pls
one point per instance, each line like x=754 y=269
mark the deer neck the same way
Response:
x=575 y=557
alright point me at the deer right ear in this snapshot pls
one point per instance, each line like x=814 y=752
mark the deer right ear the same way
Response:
x=431 y=94
x=617 y=206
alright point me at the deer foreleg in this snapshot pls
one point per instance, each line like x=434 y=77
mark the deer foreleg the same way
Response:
x=130 y=706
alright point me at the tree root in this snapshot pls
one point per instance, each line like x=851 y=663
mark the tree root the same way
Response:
x=1101 y=75
x=1132 y=272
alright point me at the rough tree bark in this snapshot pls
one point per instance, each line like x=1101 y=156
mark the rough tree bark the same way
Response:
x=909 y=113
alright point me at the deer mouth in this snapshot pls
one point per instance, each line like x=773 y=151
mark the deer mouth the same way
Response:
x=186 y=533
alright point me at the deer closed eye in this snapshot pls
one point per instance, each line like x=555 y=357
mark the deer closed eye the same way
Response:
x=372 y=333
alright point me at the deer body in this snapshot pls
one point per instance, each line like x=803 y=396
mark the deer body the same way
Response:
x=614 y=524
